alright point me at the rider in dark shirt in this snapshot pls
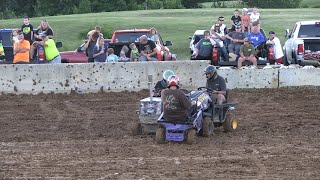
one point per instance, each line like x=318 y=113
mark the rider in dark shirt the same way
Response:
x=216 y=83
x=176 y=106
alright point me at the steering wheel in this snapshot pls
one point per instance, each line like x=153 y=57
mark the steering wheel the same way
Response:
x=209 y=90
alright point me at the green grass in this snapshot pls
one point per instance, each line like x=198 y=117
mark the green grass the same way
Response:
x=176 y=25
x=310 y=3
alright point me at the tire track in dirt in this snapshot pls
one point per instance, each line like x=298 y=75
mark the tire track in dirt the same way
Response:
x=89 y=115
x=48 y=108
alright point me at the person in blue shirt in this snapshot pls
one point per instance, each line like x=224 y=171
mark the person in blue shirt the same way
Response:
x=257 y=39
x=111 y=56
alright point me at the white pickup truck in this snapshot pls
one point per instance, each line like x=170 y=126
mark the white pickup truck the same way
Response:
x=303 y=44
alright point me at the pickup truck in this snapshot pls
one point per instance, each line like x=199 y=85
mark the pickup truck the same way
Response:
x=303 y=44
x=126 y=37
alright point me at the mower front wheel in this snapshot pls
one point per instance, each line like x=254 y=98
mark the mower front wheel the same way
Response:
x=191 y=136
x=231 y=123
x=160 y=135
x=136 y=129
x=207 y=127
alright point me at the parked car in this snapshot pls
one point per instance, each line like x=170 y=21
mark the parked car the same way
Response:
x=77 y=56
x=303 y=43
x=126 y=37
x=194 y=39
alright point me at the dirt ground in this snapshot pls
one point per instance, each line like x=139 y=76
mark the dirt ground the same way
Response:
x=87 y=137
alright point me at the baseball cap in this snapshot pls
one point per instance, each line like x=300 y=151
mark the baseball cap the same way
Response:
x=245 y=9
x=246 y=40
x=237 y=26
x=272 y=32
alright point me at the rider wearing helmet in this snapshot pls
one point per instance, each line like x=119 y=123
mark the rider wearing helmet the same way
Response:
x=176 y=106
x=162 y=84
x=216 y=83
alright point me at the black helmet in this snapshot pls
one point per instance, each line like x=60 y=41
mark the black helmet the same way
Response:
x=210 y=69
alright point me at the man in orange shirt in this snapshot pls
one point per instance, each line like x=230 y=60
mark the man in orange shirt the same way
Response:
x=21 y=50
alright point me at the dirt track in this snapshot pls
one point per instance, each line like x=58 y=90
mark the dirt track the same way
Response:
x=86 y=137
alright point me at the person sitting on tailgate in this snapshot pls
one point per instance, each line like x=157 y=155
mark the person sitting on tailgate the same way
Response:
x=216 y=83
x=176 y=106
x=162 y=84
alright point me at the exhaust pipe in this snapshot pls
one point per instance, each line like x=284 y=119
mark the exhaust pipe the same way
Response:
x=150 y=86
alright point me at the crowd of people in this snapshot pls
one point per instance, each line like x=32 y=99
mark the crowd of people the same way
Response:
x=243 y=41
x=26 y=41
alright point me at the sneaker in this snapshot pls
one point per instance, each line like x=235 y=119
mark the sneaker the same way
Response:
x=233 y=56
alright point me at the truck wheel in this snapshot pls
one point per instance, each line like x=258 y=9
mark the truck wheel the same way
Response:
x=136 y=129
x=160 y=135
x=207 y=127
x=191 y=136
x=231 y=123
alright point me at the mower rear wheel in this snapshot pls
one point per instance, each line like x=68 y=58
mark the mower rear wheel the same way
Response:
x=136 y=129
x=207 y=127
x=231 y=123
x=160 y=135
x=191 y=136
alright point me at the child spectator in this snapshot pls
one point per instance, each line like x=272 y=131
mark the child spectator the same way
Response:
x=245 y=20
x=123 y=53
x=27 y=29
x=96 y=29
x=255 y=17
x=111 y=56
x=247 y=52
x=100 y=51
x=134 y=55
x=235 y=19
x=15 y=36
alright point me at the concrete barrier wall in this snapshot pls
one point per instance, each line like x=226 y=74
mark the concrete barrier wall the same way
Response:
x=299 y=77
x=95 y=77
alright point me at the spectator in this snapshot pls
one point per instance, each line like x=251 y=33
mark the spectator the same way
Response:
x=218 y=37
x=134 y=55
x=44 y=28
x=235 y=19
x=247 y=53
x=89 y=46
x=236 y=38
x=257 y=39
x=275 y=42
x=148 y=49
x=223 y=27
x=255 y=17
x=2 y=55
x=15 y=36
x=245 y=19
x=96 y=29
x=155 y=38
x=50 y=49
x=27 y=29
x=217 y=84
x=123 y=57
x=176 y=106
x=100 y=51
x=111 y=56
x=21 y=50
x=162 y=84
x=203 y=49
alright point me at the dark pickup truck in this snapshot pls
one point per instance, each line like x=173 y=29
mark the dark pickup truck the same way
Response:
x=126 y=37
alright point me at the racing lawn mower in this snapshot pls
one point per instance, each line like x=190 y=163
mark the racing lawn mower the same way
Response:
x=201 y=122
x=149 y=112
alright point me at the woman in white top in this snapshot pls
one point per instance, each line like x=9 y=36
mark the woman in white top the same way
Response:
x=277 y=48
x=255 y=17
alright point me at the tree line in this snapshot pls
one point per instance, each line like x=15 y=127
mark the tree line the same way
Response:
x=34 y=8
